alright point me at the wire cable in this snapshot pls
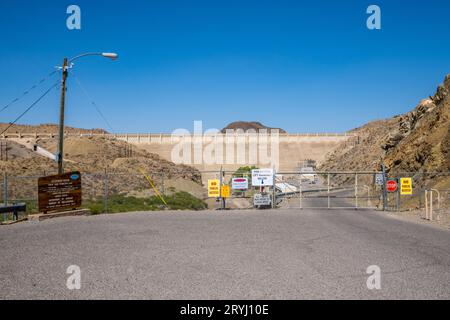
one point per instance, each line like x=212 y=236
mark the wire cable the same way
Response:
x=28 y=91
x=92 y=102
x=30 y=107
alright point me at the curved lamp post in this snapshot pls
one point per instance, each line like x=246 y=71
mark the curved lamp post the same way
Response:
x=65 y=72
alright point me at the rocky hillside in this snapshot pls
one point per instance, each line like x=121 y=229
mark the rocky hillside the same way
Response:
x=248 y=126
x=417 y=142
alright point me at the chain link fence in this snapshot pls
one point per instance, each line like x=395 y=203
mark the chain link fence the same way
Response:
x=98 y=189
x=102 y=191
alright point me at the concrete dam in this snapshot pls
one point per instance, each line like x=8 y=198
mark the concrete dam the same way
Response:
x=206 y=152
x=232 y=152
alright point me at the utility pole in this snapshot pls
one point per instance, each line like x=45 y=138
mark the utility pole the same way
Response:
x=65 y=73
x=61 y=117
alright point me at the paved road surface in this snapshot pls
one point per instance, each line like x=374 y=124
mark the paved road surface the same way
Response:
x=284 y=254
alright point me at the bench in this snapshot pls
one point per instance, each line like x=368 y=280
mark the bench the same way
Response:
x=14 y=209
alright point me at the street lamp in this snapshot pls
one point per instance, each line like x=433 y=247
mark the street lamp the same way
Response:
x=65 y=73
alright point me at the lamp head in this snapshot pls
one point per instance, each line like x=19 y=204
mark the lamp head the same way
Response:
x=110 y=55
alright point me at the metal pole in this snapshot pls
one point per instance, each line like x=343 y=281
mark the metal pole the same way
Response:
x=105 y=196
x=5 y=194
x=383 y=168
x=222 y=204
x=328 y=192
x=431 y=205
x=274 y=192
x=61 y=118
x=426 y=204
x=301 y=193
x=356 y=190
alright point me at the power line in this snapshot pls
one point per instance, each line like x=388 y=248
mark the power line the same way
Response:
x=28 y=91
x=92 y=102
x=30 y=107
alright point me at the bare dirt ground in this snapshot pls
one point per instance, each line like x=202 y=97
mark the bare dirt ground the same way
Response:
x=441 y=218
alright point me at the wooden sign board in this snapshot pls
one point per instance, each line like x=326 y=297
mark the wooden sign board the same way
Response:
x=59 y=192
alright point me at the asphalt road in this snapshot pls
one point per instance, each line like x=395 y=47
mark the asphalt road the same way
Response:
x=283 y=254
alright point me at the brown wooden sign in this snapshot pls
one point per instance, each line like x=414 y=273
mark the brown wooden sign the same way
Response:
x=60 y=192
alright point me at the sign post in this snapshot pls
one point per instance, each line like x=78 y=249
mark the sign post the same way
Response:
x=383 y=172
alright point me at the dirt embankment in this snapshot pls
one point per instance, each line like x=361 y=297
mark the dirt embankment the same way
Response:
x=94 y=156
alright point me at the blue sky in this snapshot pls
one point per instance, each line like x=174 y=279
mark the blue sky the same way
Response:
x=305 y=66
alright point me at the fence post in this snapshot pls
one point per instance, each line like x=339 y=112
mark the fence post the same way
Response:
x=162 y=184
x=274 y=191
x=426 y=204
x=301 y=192
x=5 y=193
x=385 y=201
x=222 y=200
x=328 y=192
x=105 y=196
x=356 y=190
x=431 y=205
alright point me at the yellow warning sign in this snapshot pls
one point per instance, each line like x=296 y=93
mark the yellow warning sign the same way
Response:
x=406 y=188
x=214 y=188
x=226 y=192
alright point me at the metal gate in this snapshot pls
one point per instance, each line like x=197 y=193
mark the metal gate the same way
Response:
x=330 y=190
x=315 y=190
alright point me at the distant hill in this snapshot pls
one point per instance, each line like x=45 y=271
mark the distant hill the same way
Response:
x=249 y=125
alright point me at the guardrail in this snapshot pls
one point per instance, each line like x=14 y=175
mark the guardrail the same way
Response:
x=14 y=209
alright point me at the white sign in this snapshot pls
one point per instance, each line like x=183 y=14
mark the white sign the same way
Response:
x=379 y=180
x=262 y=200
x=239 y=184
x=262 y=177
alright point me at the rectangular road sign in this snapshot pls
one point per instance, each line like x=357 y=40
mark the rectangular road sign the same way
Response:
x=59 y=192
x=262 y=200
x=262 y=177
x=214 y=188
x=226 y=192
x=379 y=179
x=406 y=188
x=239 y=184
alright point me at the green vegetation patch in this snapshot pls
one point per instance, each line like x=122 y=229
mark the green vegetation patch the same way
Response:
x=122 y=203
